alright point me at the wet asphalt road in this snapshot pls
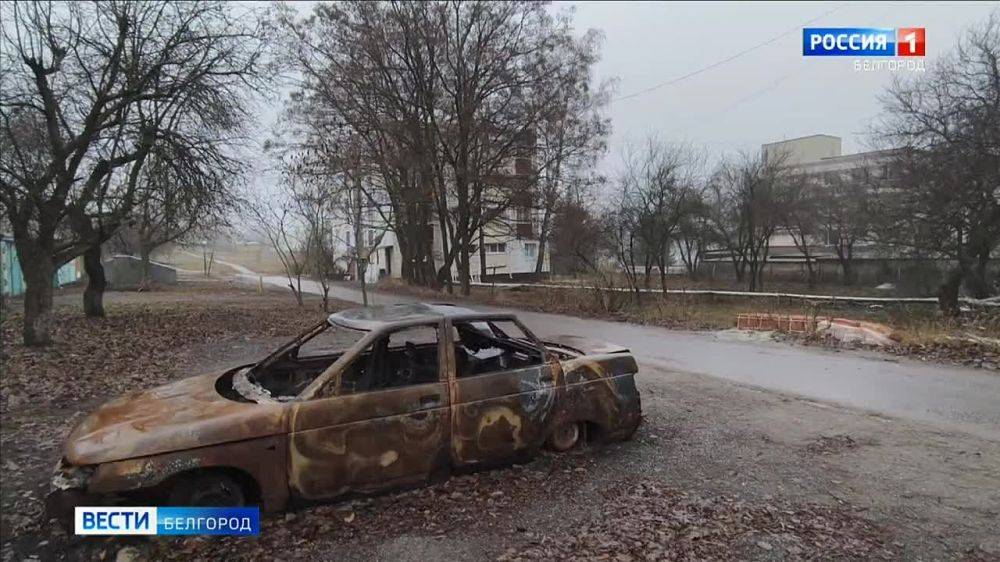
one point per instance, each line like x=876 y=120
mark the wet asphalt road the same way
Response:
x=947 y=397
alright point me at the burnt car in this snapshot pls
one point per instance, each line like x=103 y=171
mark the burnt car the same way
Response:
x=420 y=390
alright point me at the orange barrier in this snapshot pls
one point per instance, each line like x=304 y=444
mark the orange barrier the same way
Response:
x=841 y=328
x=781 y=322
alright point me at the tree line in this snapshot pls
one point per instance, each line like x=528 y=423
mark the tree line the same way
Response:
x=931 y=192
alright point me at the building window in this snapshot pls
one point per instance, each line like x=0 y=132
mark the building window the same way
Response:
x=500 y=248
x=530 y=250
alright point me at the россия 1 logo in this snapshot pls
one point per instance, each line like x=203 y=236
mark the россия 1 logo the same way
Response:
x=863 y=42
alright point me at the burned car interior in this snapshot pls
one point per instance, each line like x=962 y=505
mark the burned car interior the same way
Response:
x=403 y=357
x=484 y=347
x=400 y=358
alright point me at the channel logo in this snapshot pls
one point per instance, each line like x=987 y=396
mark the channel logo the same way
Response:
x=240 y=521
x=863 y=42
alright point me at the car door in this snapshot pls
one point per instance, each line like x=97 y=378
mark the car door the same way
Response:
x=502 y=391
x=383 y=427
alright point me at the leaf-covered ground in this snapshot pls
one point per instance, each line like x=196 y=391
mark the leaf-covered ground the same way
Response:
x=651 y=521
x=142 y=342
x=147 y=339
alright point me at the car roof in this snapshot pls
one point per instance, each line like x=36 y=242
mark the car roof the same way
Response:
x=376 y=317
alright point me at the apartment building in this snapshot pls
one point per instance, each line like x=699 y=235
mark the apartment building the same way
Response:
x=511 y=242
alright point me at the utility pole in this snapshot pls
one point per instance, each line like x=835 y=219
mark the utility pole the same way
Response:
x=360 y=254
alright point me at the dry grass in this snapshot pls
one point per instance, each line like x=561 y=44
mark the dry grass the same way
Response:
x=259 y=258
x=780 y=285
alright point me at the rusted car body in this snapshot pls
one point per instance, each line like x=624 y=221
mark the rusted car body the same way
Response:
x=425 y=389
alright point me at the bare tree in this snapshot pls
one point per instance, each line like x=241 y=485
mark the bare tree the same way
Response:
x=182 y=190
x=943 y=196
x=695 y=235
x=99 y=84
x=658 y=182
x=576 y=238
x=748 y=197
x=800 y=218
x=281 y=223
x=727 y=218
x=622 y=239
x=846 y=214
x=313 y=205
x=356 y=207
x=366 y=89
x=570 y=132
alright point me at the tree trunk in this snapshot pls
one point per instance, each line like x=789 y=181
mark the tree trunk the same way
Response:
x=739 y=266
x=847 y=271
x=810 y=273
x=463 y=265
x=93 y=295
x=38 y=273
x=543 y=240
x=482 y=256
x=324 y=286
x=977 y=278
x=297 y=293
x=663 y=273
x=144 y=252
x=844 y=255
x=359 y=268
x=948 y=292
x=207 y=260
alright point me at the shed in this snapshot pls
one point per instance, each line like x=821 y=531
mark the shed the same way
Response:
x=12 y=278
x=124 y=271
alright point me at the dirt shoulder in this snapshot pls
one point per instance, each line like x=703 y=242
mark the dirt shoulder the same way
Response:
x=716 y=471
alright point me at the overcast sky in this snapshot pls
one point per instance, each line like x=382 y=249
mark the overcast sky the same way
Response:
x=770 y=93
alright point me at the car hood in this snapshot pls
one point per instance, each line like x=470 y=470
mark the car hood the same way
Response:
x=584 y=345
x=182 y=415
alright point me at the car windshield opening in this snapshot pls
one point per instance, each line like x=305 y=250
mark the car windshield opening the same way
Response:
x=284 y=374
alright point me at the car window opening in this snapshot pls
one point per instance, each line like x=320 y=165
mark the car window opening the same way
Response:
x=489 y=347
x=402 y=358
x=283 y=375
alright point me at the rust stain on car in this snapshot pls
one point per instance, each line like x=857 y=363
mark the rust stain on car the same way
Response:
x=414 y=390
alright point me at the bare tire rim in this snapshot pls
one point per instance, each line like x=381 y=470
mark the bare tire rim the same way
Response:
x=565 y=436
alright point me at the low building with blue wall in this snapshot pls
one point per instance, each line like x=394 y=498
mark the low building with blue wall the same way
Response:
x=12 y=279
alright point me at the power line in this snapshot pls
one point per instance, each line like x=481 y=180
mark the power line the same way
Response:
x=730 y=58
x=794 y=73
